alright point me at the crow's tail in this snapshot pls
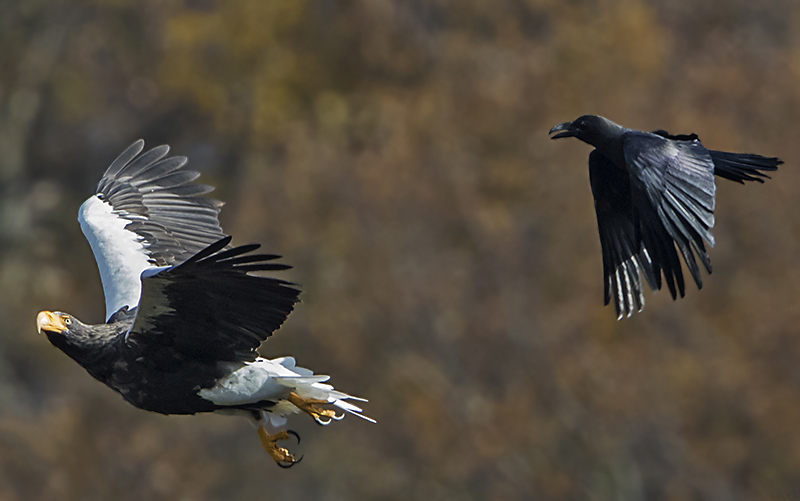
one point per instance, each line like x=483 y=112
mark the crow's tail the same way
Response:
x=741 y=167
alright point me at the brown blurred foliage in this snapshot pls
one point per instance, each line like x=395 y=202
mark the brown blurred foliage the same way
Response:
x=396 y=153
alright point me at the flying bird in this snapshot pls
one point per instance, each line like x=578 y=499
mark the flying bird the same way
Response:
x=184 y=312
x=652 y=192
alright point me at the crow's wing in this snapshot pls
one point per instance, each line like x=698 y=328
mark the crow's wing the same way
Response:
x=210 y=308
x=624 y=256
x=676 y=137
x=672 y=187
x=147 y=212
x=737 y=167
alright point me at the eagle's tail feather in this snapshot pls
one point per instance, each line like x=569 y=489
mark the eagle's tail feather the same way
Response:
x=311 y=388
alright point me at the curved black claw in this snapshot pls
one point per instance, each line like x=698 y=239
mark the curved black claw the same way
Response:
x=295 y=435
x=288 y=464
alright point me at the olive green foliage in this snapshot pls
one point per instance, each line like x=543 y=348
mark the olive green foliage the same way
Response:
x=396 y=153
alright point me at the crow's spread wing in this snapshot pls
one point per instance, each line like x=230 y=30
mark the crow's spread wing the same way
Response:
x=210 y=308
x=672 y=186
x=624 y=256
x=147 y=212
x=737 y=167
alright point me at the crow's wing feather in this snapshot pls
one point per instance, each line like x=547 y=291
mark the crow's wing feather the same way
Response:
x=737 y=167
x=673 y=184
x=624 y=257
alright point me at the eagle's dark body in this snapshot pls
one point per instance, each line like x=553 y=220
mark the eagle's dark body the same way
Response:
x=163 y=369
x=167 y=384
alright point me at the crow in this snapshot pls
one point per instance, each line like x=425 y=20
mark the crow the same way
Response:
x=652 y=192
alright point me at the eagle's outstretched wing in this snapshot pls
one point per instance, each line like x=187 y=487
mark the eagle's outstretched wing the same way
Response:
x=210 y=308
x=147 y=212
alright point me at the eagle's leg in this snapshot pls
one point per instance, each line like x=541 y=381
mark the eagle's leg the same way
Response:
x=312 y=407
x=270 y=444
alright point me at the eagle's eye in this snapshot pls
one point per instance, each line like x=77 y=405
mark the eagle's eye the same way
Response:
x=67 y=321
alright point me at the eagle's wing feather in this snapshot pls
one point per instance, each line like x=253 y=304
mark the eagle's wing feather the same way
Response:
x=147 y=213
x=210 y=308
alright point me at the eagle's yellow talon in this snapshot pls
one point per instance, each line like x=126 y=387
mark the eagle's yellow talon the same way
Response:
x=282 y=457
x=312 y=407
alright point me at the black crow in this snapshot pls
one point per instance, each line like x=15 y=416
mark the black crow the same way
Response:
x=653 y=191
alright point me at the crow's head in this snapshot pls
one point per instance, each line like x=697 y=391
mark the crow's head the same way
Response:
x=590 y=129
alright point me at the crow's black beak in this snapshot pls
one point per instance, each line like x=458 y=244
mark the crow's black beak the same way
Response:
x=566 y=130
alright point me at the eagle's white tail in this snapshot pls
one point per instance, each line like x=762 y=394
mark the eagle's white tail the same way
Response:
x=274 y=380
x=310 y=386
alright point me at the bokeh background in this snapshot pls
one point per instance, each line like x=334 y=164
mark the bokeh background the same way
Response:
x=396 y=153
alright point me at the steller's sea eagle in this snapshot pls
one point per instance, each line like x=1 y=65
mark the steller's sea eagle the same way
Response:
x=653 y=191
x=184 y=314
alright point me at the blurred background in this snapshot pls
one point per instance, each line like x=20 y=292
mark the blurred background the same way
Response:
x=396 y=153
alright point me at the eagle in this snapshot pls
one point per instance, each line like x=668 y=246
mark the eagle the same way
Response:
x=185 y=312
x=654 y=191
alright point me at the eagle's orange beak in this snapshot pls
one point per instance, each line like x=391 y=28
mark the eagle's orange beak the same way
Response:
x=49 y=321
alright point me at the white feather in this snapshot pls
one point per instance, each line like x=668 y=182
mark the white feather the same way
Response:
x=120 y=254
x=274 y=380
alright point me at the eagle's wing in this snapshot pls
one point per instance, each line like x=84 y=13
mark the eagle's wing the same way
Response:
x=147 y=212
x=209 y=308
x=624 y=256
x=672 y=188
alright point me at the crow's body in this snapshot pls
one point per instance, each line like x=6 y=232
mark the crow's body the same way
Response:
x=654 y=192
